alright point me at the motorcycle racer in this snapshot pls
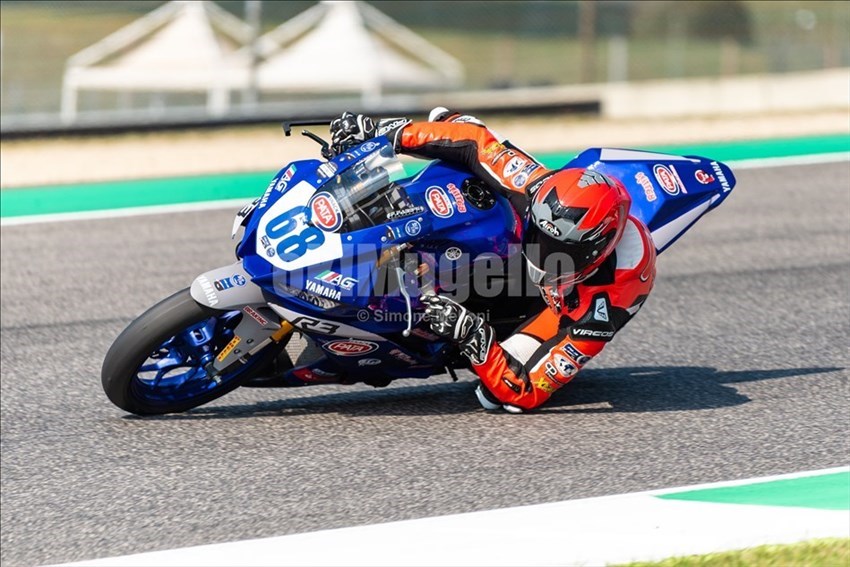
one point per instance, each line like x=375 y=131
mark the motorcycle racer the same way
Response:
x=578 y=214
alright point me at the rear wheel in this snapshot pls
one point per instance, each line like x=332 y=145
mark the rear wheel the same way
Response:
x=158 y=363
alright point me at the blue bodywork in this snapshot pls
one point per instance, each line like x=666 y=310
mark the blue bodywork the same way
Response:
x=341 y=301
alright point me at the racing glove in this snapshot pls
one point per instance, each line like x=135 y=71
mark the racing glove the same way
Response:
x=351 y=129
x=455 y=322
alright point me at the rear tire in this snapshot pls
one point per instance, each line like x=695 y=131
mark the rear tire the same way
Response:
x=146 y=338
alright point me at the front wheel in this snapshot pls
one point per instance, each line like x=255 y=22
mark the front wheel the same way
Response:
x=158 y=363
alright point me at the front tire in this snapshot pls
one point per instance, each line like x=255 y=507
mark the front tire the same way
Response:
x=157 y=364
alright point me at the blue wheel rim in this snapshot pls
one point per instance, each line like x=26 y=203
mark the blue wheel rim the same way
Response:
x=175 y=371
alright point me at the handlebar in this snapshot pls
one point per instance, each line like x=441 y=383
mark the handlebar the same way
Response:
x=288 y=124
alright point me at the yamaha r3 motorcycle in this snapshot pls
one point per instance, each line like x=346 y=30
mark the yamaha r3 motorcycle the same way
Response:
x=321 y=255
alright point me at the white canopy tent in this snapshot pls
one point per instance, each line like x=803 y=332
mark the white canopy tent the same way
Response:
x=195 y=46
x=183 y=46
x=345 y=46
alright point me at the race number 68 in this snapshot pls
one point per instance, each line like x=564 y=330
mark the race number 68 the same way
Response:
x=293 y=246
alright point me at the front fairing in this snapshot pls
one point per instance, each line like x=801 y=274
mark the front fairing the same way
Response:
x=338 y=278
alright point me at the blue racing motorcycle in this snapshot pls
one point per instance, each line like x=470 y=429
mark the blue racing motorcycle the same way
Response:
x=339 y=250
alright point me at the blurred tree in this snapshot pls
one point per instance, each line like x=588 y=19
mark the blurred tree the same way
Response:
x=720 y=19
x=707 y=19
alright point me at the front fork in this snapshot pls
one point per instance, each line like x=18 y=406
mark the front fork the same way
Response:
x=230 y=288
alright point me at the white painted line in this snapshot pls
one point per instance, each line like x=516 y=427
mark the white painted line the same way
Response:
x=814 y=159
x=592 y=531
x=833 y=157
x=235 y=204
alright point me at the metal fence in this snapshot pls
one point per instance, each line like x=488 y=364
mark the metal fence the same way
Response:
x=499 y=45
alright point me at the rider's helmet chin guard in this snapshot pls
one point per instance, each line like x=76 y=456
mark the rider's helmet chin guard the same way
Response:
x=576 y=219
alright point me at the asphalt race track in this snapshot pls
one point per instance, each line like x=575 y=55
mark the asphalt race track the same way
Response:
x=737 y=367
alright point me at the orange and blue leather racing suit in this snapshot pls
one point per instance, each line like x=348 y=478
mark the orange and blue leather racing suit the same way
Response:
x=547 y=351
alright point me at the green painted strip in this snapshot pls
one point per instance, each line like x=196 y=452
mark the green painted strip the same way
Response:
x=750 y=149
x=139 y=193
x=135 y=193
x=826 y=492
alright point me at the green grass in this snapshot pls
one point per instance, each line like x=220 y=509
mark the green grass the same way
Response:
x=815 y=553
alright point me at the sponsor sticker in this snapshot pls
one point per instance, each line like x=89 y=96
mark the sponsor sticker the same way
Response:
x=667 y=180
x=678 y=179
x=325 y=212
x=368 y=146
x=328 y=169
x=383 y=129
x=492 y=149
x=252 y=313
x=412 y=228
x=265 y=198
x=521 y=178
x=645 y=184
x=513 y=166
x=543 y=384
x=228 y=283
x=721 y=176
x=438 y=202
x=579 y=357
x=323 y=291
x=312 y=375
x=209 y=290
x=549 y=227
x=457 y=195
x=409 y=211
x=337 y=279
x=703 y=177
x=402 y=356
x=267 y=245
x=591 y=334
x=228 y=348
x=600 y=310
x=285 y=179
x=350 y=347
x=566 y=369
x=369 y=362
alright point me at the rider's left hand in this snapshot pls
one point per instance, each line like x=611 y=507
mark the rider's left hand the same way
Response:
x=350 y=129
x=455 y=322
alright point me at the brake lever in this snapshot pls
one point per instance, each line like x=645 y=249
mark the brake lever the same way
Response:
x=400 y=273
x=326 y=149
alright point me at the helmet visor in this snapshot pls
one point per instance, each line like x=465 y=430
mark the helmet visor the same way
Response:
x=556 y=262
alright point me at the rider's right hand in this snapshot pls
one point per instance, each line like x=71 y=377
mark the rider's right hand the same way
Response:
x=350 y=129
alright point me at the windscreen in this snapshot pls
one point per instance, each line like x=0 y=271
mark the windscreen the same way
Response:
x=367 y=192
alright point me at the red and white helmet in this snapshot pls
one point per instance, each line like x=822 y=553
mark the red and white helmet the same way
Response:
x=576 y=218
